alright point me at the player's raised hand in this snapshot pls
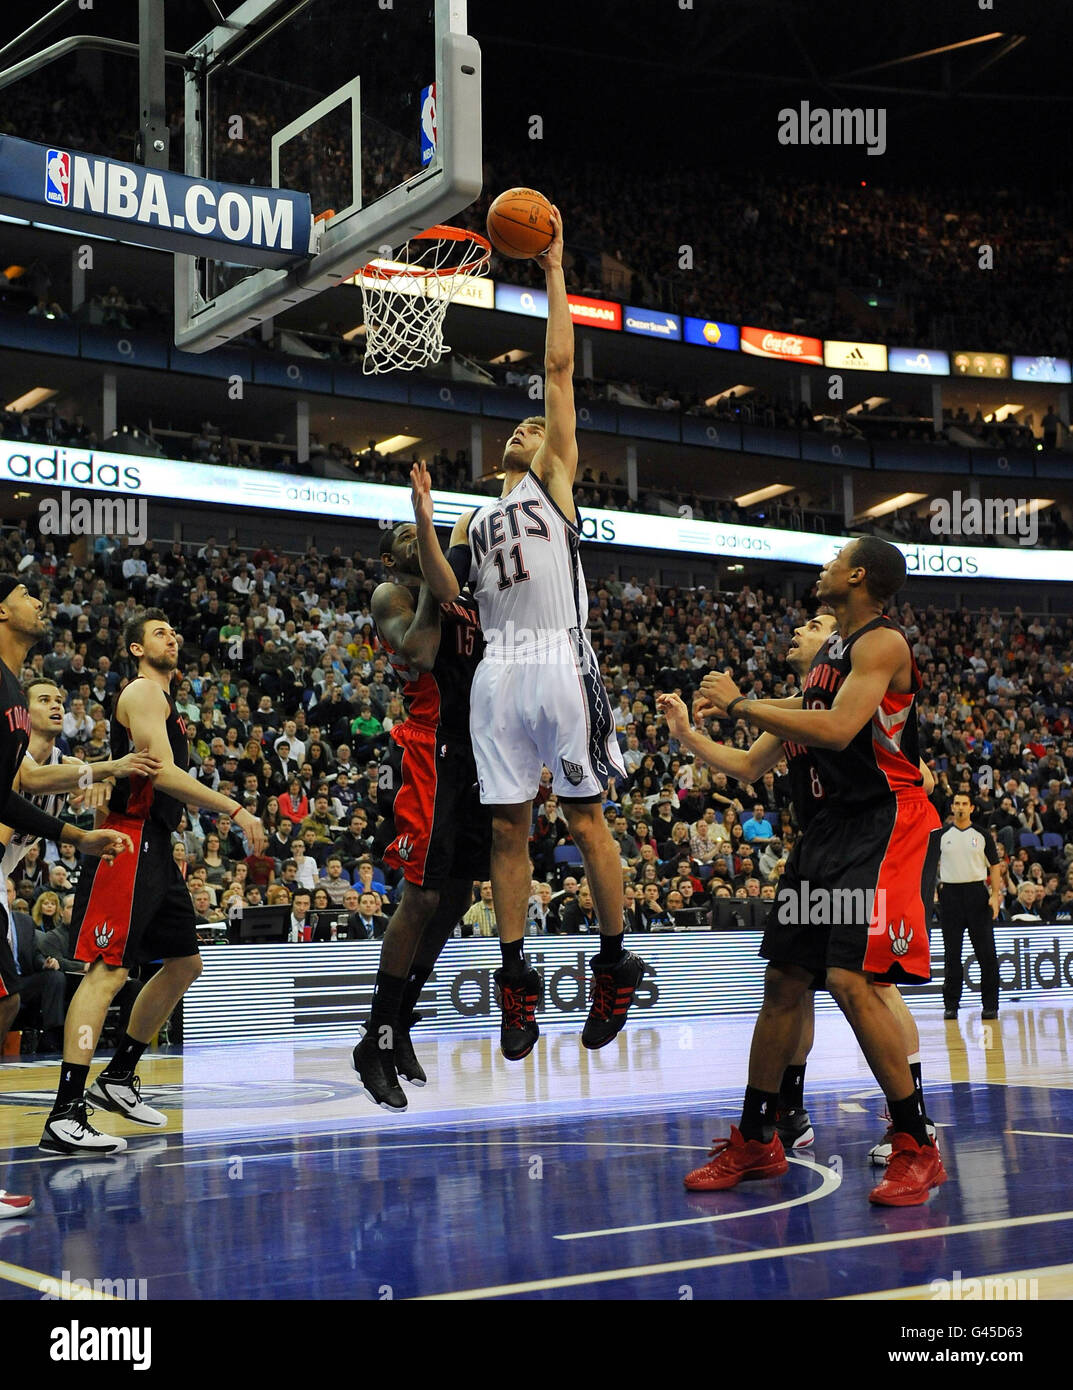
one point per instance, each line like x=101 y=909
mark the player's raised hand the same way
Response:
x=253 y=830
x=674 y=711
x=105 y=844
x=552 y=258
x=421 y=492
x=718 y=689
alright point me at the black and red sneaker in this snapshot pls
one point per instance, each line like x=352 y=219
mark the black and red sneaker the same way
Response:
x=611 y=996
x=518 y=999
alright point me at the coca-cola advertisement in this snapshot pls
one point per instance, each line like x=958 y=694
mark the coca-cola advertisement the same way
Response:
x=770 y=342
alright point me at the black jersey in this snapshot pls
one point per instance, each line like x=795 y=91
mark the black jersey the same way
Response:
x=15 y=810
x=806 y=789
x=439 y=699
x=883 y=758
x=136 y=796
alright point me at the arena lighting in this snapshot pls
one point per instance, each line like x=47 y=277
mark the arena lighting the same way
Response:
x=511 y=355
x=395 y=442
x=763 y=494
x=1034 y=504
x=892 y=504
x=872 y=402
x=29 y=399
x=1005 y=411
x=736 y=391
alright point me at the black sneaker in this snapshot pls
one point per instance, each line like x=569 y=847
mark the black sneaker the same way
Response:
x=69 y=1131
x=950 y=1013
x=795 y=1130
x=406 y=1063
x=611 y=995
x=376 y=1067
x=518 y=999
x=989 y=1013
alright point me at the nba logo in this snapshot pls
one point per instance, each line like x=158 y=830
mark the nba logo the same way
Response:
x=428 y=123
x=57 y=177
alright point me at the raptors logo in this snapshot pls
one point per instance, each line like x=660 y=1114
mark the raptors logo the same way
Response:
x=102 y=935
x=900 y=941
x=405 y=847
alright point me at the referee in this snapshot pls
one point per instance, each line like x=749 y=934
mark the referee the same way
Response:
x=967 y=859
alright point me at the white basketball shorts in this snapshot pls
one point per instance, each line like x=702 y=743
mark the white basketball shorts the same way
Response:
x=543 y=710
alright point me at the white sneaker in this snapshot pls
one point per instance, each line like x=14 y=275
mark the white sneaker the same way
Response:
x=70 y=1132
x=14 y=1207
x=125 y=1098
x=880 y=1153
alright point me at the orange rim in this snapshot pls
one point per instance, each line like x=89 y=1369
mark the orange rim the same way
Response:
x=481 y=246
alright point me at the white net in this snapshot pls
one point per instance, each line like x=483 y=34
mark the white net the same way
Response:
x=405 y=299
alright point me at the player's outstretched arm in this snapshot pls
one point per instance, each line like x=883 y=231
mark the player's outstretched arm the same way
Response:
x=145 y=709
x=71 y=774
x=442 y=580
x=413 y=630
x=743 y=764
x=877 y=656
x=556 y=461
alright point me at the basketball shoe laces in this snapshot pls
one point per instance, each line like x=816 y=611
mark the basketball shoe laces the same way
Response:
x=80 y=1112
x=514 y=1005
x=604 y=993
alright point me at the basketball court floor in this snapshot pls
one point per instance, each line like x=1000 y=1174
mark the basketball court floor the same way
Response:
x=556 y=1178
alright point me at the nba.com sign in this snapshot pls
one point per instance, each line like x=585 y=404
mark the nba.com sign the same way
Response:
x=153 y=207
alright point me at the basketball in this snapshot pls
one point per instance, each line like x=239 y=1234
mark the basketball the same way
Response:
x=519 y=224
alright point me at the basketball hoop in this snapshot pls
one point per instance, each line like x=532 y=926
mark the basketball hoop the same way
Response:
x=405 y=299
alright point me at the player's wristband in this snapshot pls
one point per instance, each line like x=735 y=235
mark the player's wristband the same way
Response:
x=736 y=701
x=234 y=813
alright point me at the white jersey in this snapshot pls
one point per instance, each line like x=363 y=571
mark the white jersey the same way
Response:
x=526 y=573
x=49 y=802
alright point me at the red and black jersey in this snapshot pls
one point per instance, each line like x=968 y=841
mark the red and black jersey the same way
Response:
x=439 y=699
x=806 y=790
x=883 y=758
x=136 y=796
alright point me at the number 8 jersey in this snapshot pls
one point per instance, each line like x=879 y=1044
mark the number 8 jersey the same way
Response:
x=526 y=572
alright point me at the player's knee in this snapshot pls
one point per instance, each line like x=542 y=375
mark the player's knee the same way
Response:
x=849 y=988
x=782 y=990
x=587 y=831
x=190 y=967
x=509 y=834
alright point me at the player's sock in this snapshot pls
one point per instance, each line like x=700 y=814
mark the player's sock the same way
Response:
x=513 y=960
x=908 y=1116
x=387 y=1002
x=127 y=1056
x=758 y=1115
x=415 y=983
x=918 y=1084
x=611 y=948
x=72 y=1086
x=792 y=1089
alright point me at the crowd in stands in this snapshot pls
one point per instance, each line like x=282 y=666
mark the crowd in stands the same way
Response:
x=290 y=703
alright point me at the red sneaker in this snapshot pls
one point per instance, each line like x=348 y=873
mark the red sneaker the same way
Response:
x=733 y=1161
x=14 y=1207
x=911 y=1172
